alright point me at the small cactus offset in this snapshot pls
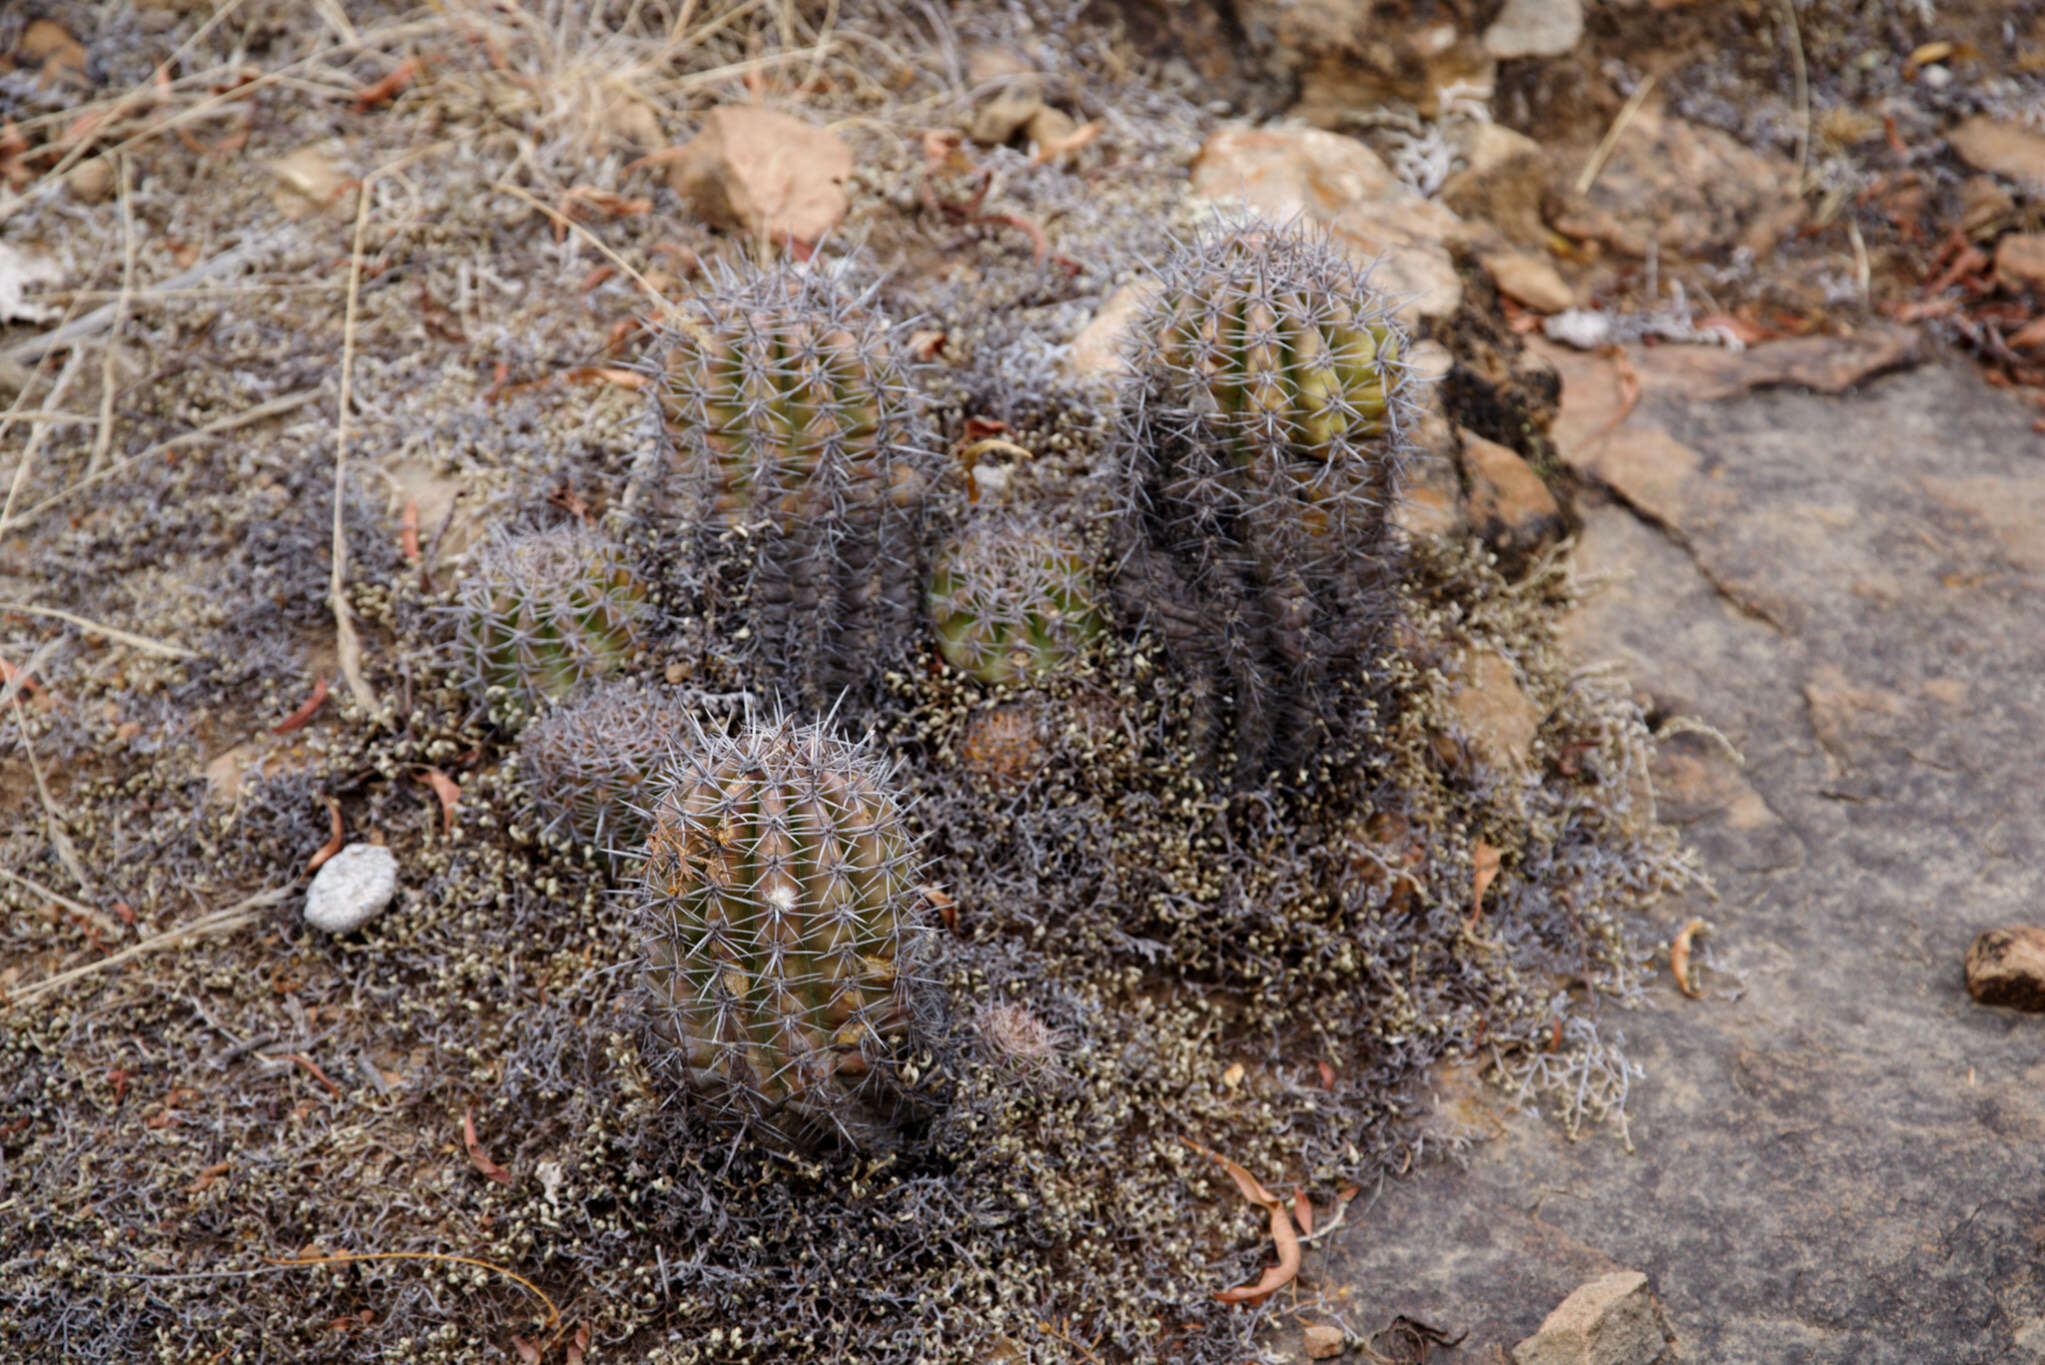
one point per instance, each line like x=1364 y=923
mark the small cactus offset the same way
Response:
x=543 y=613
x=779 y=897
x=786 y=410
x=1013 y=600
x=587 y=763
x=1264 y=426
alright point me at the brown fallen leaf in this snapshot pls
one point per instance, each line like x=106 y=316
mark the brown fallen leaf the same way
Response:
x=208 y=1176
x=476 y=1152
x=409 y=527
x=369 y=96
x=1247 y=1183
x=1303 y=1212
x=577 y=1344
x=305 y=709
x=449 y=792
x=947 y=908
x=1274 y=1277
x=333 y=843
x=1327 y=1074
x=1485 y=858
x=528 y=1353
x=1679 y=956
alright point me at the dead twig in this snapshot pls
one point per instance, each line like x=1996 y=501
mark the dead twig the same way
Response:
x=222 y=921
x=1596 y=165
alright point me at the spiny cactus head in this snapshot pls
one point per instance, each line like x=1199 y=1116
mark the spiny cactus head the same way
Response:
x=782 y=398
x=1266 y=344
x=542 y=613
x=1013 y=599
x=778 y=893
x=587 y=763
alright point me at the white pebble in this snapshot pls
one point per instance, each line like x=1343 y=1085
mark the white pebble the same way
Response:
x=352 y=888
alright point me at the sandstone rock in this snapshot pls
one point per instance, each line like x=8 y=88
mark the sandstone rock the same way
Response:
x=1098 y=349
x=1535 y=28
x=352 y=888
x=1684 y=187
x=1009 y=105
x=91 y=181
x=1528 y=279
x=765 y=172
x=2011 y=507
x=1338 y=183
x=1324 y=1342
x=2020 y=260
x=2005 y=149
x=1613 y=1320
x=1493 y=714
x=1342 y=58
x=1502 y=180
x=1510 y=509
x=2007 y=967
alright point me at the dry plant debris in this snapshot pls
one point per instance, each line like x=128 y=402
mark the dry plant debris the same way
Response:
x=442 y=1138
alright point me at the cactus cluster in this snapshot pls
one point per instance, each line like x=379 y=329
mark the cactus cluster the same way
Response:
x=778 y=891
x=796 y=438
x=1012 y=599
x=542 y=613
x=1264 y=426
x=588 y=763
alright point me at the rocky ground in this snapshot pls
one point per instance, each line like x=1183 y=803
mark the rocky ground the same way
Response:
x=1738 y=306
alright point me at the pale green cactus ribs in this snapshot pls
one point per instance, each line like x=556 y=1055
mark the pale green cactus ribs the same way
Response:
x=1012 y=599
x=542 y=614
x=1263 y=428
x=779 y=897
x=799 y=449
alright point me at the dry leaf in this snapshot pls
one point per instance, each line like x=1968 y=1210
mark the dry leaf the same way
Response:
x=947 y=908
x=409 y=526
x=1303 y=1212
x=449 y=793
x=1327 y=1075
x=333 y=843
x=1485 y=858
x=1274 y=1277
x=369 y=96
x=1247 y=1183
x=1679 y=956
x=304 y=711
x=577 y=1344
x=208 y=1176
x=528 y=1353
x=478 y=1155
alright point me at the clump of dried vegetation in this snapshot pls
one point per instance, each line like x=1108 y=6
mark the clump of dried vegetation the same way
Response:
x=335 y=313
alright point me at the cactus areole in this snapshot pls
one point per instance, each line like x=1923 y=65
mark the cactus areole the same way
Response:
x=779 y=897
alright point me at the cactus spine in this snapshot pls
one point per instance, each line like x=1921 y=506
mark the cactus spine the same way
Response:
x=588 y=762
x=1263 y=430
x=779 y=900
x=543 y=613
x=1013 y=600
x=787 y=414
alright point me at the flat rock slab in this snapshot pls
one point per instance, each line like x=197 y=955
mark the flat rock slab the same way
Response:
x=1836 y=1150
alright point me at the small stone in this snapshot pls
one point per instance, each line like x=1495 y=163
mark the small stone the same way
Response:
x=1511 y=509
x=1529 y=279
x=2007 y=967
x=1613 y=1320
x=1006 y=111
x=352 y=888
x=1535 y=28
x=1492 y=713
x=91 y=181
x=2005 y=149
x=765 y=172
x=2020 y=260
x=1324 y=1342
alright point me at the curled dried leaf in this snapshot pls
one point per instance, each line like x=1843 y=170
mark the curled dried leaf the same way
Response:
x=1679 y=956
x=1274 y=1277
x=1485 y=859
x=449 y=792
x=477 y=1155
x=333 y=843
x=305 y=709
